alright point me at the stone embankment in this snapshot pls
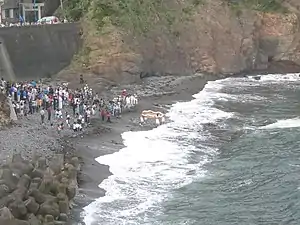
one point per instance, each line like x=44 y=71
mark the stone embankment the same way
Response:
x=37 y=191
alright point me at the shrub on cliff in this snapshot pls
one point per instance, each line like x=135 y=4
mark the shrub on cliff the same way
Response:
x=259 y=5
x=135 y=15
x=75 y=9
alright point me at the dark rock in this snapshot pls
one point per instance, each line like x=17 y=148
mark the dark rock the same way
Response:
x=54 y=188
x=8 y=178
x=5 y=201
x=37 y=180
x=63 y=217
x=62 y=188
x=5 y=213
x=50 y=198
x=33 y=186
x=49 y=209
x=75 y=162
x=38 y=196
x=65 y=180
x=40 y=217
x=72 y=172
x=64 y=207
x=37 y=173
x=24 y=181
x=17 y=158
x=20 y=193
x=56 y=164
x=46 y=185
x=31 y=205
x=18 y=209
x=33 y=220
x=4 y=190
x=41 y=163
x=49 y=218
x=62 y=197
x=149 y=74
x=71 y=191
x=21 y=168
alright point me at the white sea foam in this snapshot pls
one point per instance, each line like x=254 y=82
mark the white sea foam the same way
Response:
x=287 y=123
x=155 y=162
x=278 y=77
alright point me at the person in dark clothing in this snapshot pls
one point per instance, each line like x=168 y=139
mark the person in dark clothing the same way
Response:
x=102 y=114
x=7 y=87
x=51 y=91
x=55 y=102
x=49 y=113
x=30 y=107
x=81 y=81
x=74 y=106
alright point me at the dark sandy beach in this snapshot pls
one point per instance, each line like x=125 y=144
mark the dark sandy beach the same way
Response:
x=155 y=93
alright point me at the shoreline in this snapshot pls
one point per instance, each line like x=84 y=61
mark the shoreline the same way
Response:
x=92 y=173
x=155 y=93
x=178 y=89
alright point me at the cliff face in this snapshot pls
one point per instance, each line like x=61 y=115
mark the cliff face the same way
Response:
x=216 y=39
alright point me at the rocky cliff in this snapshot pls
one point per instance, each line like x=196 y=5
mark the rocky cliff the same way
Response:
x=216 y=38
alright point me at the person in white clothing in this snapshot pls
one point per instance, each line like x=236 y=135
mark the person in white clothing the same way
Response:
x=42 y=113
x=88 y=115
x=68 y=120
x=60 y=102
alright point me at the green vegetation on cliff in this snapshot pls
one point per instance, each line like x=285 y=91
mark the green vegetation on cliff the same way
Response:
x=259 y=5
x=135 y=15
x=140 y=15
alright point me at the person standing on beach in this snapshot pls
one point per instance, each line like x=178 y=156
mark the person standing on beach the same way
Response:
x=49 y=113
x=68 y=120
x=22 y=108
x=108 y=116
x=88 y=115
x=73 y=104
x=42 y=113
x=102 y=114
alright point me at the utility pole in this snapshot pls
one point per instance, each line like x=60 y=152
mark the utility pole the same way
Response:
x=34 y=6
x=1 y=4
x=62 y=9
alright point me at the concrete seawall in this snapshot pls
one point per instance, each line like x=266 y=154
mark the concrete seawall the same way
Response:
x=34 y=52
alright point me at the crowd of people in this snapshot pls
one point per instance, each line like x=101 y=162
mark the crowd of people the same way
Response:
x=61 y=107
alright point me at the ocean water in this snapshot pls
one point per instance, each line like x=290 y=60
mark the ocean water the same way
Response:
x=229 y=156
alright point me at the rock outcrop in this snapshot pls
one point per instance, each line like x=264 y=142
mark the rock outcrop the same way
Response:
x=216 y=39
x=37 y=192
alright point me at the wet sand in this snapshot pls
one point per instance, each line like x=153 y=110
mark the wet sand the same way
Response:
x=105 y=138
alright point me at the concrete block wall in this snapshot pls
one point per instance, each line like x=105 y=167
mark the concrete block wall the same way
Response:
x=33 y=52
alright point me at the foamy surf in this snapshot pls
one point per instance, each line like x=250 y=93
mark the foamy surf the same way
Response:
x=287 y=123
x=278 y=77
x=155 y=162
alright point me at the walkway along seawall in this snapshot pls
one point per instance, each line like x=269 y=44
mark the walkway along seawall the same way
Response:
x=33 y=52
